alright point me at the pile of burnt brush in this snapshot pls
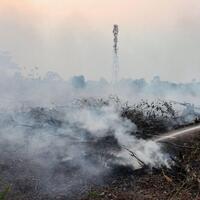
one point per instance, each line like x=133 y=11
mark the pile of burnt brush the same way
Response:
x=154 y=118
x=151 y=117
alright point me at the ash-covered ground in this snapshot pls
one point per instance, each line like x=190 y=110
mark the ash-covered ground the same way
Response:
x=61 y=152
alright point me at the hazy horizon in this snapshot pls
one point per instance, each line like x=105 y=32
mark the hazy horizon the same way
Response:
x=75 y=37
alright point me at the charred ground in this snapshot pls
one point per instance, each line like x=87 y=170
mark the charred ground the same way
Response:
x=21 y=177
x=181 y=182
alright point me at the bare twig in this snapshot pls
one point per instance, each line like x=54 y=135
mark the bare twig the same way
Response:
x=141 y=163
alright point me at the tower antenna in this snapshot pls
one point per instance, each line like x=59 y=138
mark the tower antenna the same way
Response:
x=115 y=54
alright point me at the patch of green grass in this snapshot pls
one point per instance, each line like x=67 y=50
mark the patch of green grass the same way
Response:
x=92 y=195
x=4 y=193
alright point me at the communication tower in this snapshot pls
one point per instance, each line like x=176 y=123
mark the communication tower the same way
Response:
x=115 y=54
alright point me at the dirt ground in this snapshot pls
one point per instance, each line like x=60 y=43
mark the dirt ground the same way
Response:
x=181 y=182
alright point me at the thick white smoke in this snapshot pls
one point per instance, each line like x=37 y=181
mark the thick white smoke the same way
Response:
x=64 y=141
x=84 y=140
x=46 y=130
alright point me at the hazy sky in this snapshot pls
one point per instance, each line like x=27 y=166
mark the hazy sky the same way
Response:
x=157 y=37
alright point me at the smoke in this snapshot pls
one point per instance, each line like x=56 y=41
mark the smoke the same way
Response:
x=71 y=146
x=62 y=144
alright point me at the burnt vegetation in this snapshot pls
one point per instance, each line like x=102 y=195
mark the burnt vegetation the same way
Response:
x=180 y=182
x=20 y=178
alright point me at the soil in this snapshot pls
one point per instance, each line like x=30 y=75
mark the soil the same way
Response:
x=181 y=182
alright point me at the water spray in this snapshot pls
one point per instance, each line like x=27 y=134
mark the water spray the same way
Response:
x=180 y=133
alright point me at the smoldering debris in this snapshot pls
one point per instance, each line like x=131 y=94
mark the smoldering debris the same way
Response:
x=181 y=181
x=63 y=150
